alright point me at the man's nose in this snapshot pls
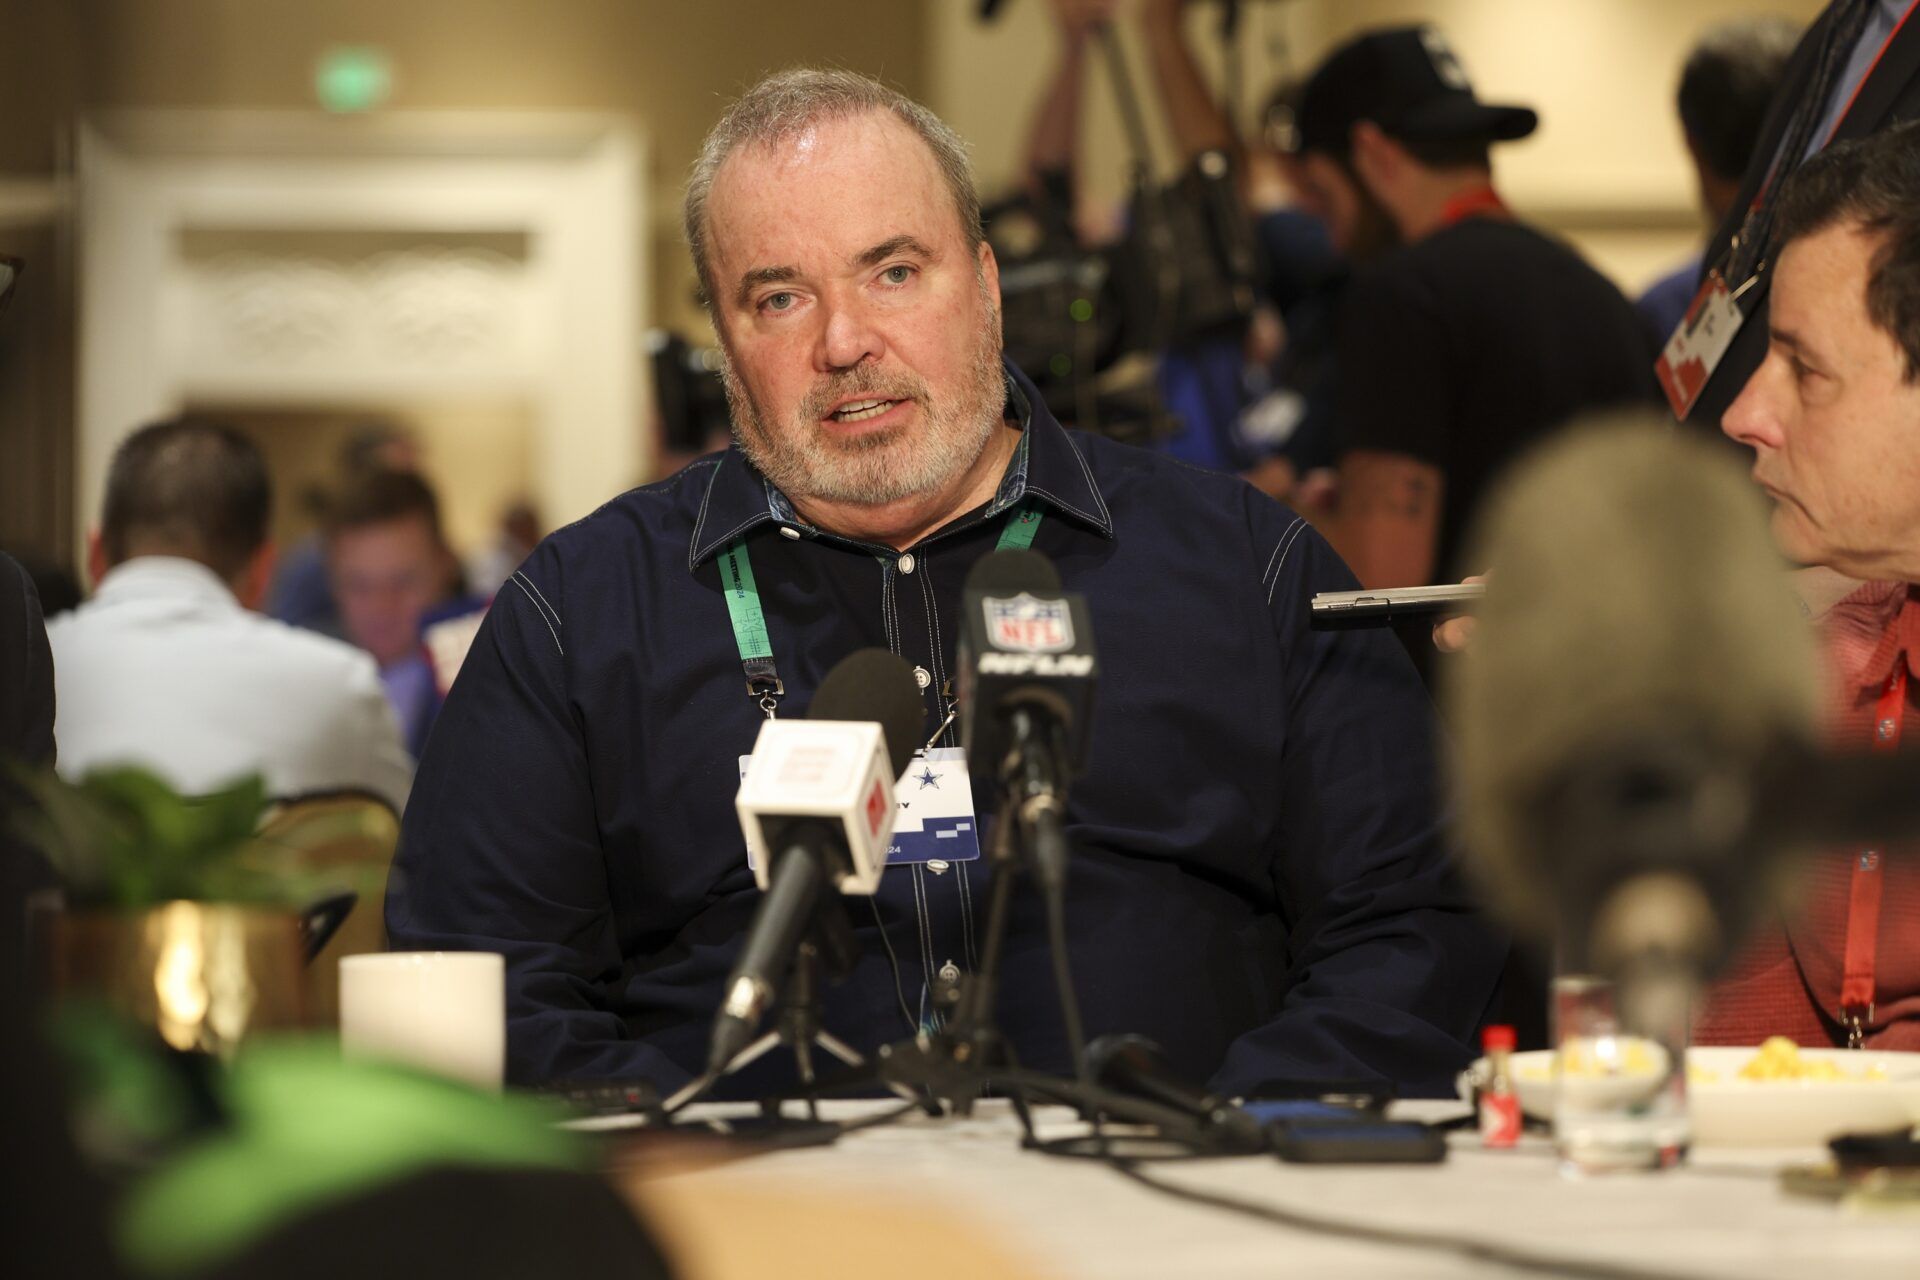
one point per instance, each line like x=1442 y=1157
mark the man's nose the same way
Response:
x=1753 y=418
x=850 y=336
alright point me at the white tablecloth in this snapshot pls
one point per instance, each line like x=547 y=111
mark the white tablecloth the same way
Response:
x=1723 y=1215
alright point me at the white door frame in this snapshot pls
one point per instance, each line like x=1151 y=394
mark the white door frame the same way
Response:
x=571 y=185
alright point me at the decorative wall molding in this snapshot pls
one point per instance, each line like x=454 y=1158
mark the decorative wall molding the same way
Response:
x=294 y=259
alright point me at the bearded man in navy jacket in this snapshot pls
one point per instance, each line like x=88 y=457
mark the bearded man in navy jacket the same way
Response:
x=1259 y=879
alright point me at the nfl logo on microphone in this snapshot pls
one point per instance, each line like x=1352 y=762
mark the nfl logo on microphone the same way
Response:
x=1025 y=624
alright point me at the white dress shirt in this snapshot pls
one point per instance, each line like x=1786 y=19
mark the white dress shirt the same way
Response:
x=164 y=668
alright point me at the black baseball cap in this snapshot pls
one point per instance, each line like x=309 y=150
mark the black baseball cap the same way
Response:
x=1408 y=81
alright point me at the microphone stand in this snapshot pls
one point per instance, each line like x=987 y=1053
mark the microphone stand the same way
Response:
x=828 y=944
x=955 y=1064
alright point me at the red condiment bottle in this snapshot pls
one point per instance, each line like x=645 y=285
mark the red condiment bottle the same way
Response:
x=1499 y=1104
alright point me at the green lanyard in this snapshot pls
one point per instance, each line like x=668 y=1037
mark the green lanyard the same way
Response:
x=750 y=624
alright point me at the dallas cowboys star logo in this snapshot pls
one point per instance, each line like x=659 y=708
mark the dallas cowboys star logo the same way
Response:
x=929 y=779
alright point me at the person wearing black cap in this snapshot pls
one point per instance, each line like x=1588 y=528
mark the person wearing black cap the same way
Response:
x=1465 y=334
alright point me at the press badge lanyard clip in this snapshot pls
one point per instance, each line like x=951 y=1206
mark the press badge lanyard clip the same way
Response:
x=750 y=623
x=1863 y=898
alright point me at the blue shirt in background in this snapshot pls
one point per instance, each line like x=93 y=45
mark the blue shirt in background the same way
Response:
x=1233 y=415
x=1666 y=300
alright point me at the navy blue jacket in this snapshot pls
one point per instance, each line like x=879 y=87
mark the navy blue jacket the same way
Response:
x=1260 y=881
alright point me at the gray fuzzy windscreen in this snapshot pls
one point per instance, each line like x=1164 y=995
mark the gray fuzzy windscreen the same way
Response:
x=1635 y=590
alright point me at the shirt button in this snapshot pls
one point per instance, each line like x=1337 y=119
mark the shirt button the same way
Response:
x=937 y=866
x=1886 y=730
x=949 y=972
x=922 y=677
x=905 y=563
x=788 y=531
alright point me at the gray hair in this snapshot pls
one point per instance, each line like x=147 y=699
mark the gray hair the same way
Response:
x=789 y=102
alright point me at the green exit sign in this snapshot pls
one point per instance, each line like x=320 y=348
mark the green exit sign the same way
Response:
x=352 y=78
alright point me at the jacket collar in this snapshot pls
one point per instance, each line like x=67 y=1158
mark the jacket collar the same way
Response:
x=1047 y=465
x=173 y=578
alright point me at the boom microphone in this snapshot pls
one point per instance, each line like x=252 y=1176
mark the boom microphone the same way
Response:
x=817 y=810
x=1027 y=671
x=1631 y=691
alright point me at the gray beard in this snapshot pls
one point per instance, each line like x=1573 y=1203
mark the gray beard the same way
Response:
x=874 y=470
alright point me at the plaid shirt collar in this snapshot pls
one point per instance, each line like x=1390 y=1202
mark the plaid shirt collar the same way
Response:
x=1871 y=630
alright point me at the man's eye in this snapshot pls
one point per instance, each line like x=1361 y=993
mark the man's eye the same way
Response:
x=778 y=302
x=897 y=275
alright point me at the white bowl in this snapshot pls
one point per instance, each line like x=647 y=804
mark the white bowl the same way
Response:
x=1727 y=1111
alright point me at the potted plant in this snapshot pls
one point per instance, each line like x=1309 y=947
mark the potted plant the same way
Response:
x=176 y=912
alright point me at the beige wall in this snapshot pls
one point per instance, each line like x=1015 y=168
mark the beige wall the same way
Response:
x=667 y=64
x=1606 y=168
x=477 y=453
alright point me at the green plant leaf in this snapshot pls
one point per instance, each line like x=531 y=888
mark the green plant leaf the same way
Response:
x=123 y=836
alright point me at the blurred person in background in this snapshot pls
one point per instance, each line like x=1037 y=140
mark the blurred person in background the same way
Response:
x=1854 y=73
x=167 y=666
x=392 y=574
x=1465 y=334
x=1728 y=84
x=1256 y=398
x=300 y=593
x=514 y=539
x=1260 y=403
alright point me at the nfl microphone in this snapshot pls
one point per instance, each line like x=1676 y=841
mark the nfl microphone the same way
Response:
x=1027 y=672
x=817 y=810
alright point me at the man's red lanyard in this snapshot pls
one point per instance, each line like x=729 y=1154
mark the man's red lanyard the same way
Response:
x=1863 y=901
x=1469 y=203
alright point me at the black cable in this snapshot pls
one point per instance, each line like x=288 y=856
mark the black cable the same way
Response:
x=893 y=959
x=1063 y=979
x=1094 y=1099
x=1464 y=1247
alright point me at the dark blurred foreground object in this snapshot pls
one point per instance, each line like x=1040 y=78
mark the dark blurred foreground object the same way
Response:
x=26 y=671
x=291 y=1162
x=53 y=1215
x=58 y=586
x=10 y=269
x=461 y=1223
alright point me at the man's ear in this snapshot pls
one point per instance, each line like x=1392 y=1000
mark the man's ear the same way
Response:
x=990 y=271
x=989 y=267
x=97 y=565
x=1377 y=159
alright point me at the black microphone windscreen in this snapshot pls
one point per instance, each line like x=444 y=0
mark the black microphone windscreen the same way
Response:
x=1011 y=570
x=872 y=684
